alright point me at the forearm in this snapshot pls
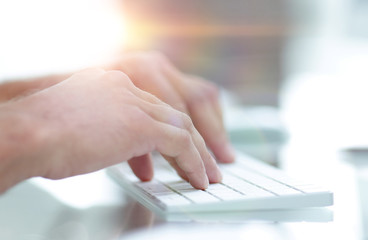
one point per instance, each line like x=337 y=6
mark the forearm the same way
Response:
x=22 y=87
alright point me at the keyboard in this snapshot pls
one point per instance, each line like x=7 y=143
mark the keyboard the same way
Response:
x=248 y=184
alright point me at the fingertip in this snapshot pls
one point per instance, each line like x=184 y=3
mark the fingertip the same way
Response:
x=213 y=171
x=224 y=153
x=204 y=185
x=201 y=182
x=145 y=178
x=229 y=154
x=142 y=167
x=215 y=176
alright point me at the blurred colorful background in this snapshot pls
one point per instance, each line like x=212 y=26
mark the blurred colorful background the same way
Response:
x=238 y=44
x=249 y=47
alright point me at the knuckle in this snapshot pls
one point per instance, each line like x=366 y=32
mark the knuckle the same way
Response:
x=186 y=121
x=148 y=66
x=117 y=77
x=204 y=92
x=185 y=139
x=180 y=106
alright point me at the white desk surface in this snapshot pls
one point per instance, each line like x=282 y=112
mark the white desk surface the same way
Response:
x=93 y=207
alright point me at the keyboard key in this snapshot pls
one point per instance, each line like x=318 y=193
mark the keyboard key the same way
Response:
x=173 y=200
x=155 y=188
x=223 y=192
x=245 y=187
x=263 y=182
x=195 y=195
x=166 y=175
x=199 y=196
x=180 y=185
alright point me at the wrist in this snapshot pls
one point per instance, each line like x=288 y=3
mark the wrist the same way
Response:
x=21 y=145
x=15 y=89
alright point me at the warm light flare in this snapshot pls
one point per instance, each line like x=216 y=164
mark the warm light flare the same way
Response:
x=197 y=30
x=144 y=34
x=43 y=36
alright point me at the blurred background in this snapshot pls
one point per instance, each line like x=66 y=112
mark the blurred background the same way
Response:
x=304 y=60
x=249 y=47
x=296 y=67
x=238 y=44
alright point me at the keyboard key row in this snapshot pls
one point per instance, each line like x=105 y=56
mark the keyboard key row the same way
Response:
x=261 y=181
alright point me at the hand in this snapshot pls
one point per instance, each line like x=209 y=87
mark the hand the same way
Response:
x=100 y=118
x=153 y=72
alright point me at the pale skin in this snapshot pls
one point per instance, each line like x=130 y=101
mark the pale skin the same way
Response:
x=61 y=126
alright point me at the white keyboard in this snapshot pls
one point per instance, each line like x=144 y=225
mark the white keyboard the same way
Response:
x=247 y=184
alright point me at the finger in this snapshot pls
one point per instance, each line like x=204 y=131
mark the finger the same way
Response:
x=175 y=165
x=171 y=141
x=178 y=144
x=146 y=96
x=205 y=111
x=213 y=96
x=142 y=167
x=175 y=118
x=212 y=131
x=211 y=124
x=163 y=91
